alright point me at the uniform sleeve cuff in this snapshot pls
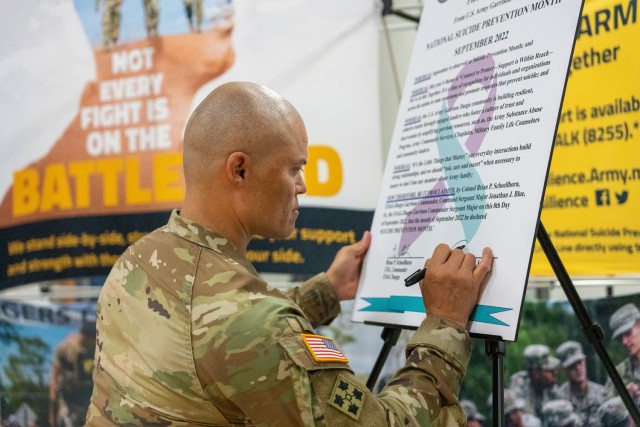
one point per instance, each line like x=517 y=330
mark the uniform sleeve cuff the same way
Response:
x=321 y=299
x=446 y=335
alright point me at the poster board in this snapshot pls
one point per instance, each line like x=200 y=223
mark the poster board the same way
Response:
x=470 y=154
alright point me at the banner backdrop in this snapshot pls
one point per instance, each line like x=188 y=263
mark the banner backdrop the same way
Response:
x=593 y=187
x=96 y=97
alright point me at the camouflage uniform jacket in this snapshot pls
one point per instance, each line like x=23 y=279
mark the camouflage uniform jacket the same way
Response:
x=585 y=406
x=188 y=334
x=629 y=373
x=520 y=383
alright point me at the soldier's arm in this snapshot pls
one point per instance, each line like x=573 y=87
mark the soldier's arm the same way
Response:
x=295 y=383
x=317 y=298
x=320 y=296
x=285 y=381
x=422 y=393
x=625 y=371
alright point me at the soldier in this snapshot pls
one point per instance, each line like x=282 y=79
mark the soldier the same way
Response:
x=585 y=395
x=625 y=326
x=189 y=333
x=111 y=16
x=194 y=7
x=70 y=385
x=514 y=415
x=151 y=14
x=537 y=384
x=474 y=417
x=613 y=413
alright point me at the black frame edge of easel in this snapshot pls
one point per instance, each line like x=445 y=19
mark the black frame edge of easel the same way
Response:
x=389 y=335
x=387 y=9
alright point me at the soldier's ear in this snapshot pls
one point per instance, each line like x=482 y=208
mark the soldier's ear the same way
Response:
x=236 y=167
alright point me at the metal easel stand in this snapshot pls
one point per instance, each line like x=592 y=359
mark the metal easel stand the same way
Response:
x=497 y=349
x=387 y=9
x=390 y=335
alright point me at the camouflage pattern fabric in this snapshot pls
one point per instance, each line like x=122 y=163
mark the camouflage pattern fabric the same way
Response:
x=629 y=373
x=194 y=8
x=74 y=359
x=520 y=383
x=151 y=14
x=111 y=17
x=585 y=406
x=613 y=413
x=188 y=334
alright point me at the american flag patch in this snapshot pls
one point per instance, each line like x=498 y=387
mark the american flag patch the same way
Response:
x=323 y=349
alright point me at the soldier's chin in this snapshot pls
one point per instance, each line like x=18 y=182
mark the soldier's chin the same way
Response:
x=277 y=234
x=288 y=231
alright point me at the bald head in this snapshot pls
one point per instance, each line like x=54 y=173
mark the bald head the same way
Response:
x=244 y=149
x=236 y=116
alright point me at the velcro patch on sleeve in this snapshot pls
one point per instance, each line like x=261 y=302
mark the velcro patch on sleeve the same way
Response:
x=323 y=349
x=347 y=397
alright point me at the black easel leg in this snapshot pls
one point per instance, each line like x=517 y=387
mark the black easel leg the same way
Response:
x=592 y=331
x=390 y=336
x=388 y=9
x=497 y=350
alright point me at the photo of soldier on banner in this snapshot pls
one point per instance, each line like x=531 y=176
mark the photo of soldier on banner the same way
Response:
x=46 y=361
x=555 y=372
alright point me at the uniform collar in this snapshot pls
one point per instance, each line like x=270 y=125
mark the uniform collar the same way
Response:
x=204 y=237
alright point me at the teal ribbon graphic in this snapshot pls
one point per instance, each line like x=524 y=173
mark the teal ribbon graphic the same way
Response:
x=401 y=304
x=465 y=176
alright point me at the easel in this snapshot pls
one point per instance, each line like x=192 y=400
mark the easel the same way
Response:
x=496 y=348
x=390 y=335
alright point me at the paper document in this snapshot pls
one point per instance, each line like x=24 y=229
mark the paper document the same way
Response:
x=470 y=153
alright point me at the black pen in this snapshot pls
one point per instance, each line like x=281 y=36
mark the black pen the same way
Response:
x=415 y=277
x=419 y=274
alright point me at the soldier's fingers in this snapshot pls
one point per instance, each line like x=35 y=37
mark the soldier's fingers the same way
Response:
x=468 y=262
x=440 y=255
x=483 y=269
x=361 y=246
x=457 y=258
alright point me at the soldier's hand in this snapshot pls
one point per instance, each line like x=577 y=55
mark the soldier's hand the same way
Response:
x=344 y=272
x=453 y=283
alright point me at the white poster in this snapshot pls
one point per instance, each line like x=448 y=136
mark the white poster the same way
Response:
x=470 y=153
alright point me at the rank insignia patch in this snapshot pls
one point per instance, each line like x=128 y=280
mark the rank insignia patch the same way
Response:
x=323 y=349
x=347 y=397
